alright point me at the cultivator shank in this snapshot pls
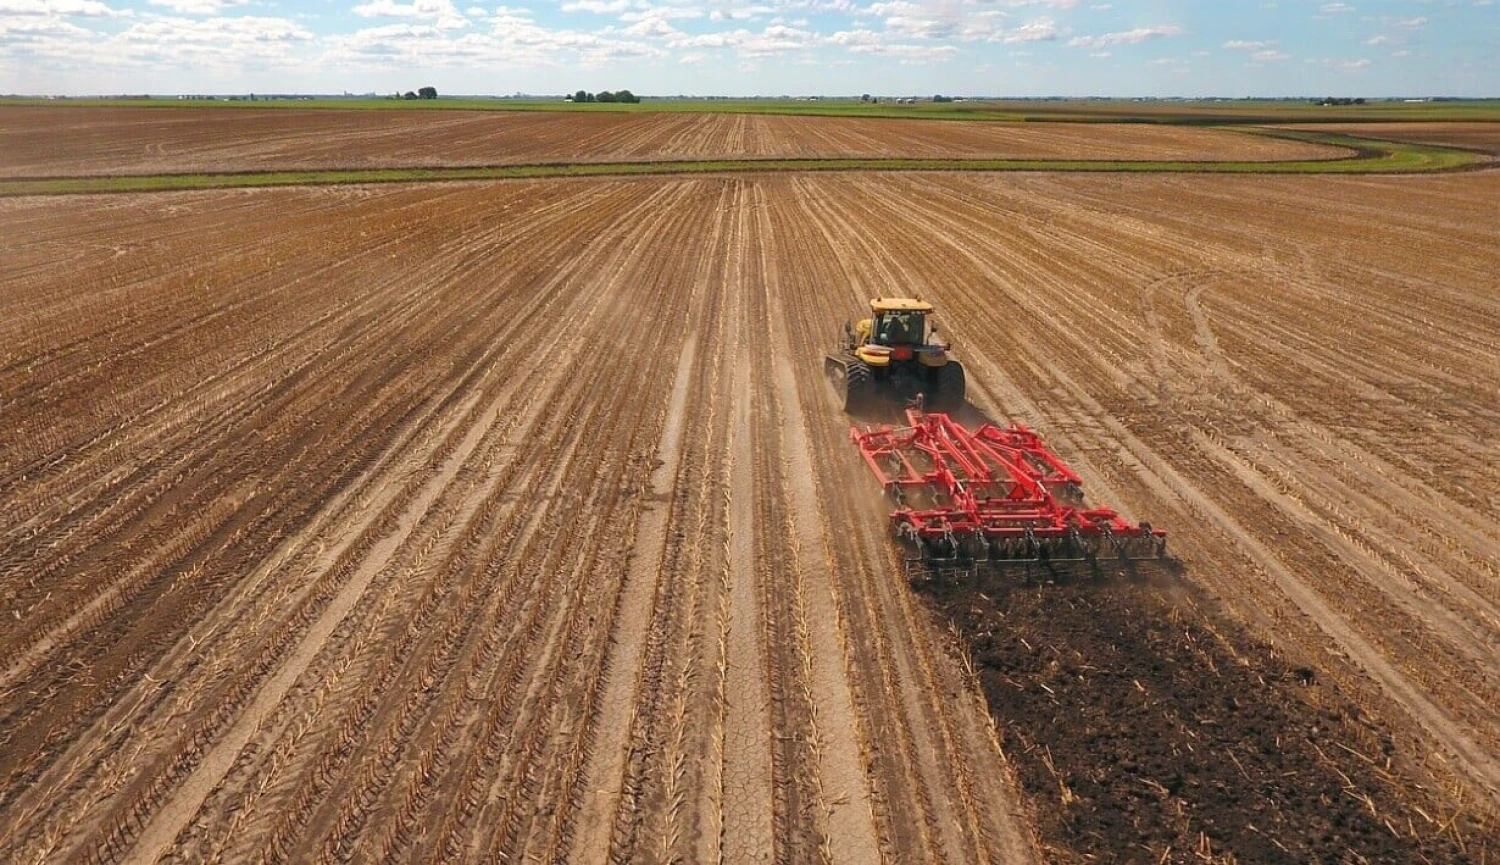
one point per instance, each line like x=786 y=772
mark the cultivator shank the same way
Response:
x=991 y=496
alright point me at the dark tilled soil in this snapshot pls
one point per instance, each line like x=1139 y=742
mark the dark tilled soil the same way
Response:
x=1145 y=731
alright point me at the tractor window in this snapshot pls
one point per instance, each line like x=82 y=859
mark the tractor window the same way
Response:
x=899 y=328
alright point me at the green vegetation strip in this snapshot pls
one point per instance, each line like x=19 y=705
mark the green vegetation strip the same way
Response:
x=1370 y=157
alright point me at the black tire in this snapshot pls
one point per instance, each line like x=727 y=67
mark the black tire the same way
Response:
x=950 y=385
x=858 y=385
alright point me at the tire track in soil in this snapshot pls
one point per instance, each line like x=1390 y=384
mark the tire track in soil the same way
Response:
x=549 y=539
x=546 y=732
x=799 y=801
x=899 y=798
x=944 y=732
x=619 y=692
x=750 y=763
x=673 y=803
x=843 y=790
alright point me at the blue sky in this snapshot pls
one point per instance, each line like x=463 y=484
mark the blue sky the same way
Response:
x=755 y=47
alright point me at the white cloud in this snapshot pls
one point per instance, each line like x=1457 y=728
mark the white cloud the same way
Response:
x=1125 y=37
x=937 y=20
x=868 y=42
x=653 y=27
x=1040 y=30
x=679 y=45
x=597 y=7
x=198 y=7
x=744 y=14
x=37 y=29
x=852 y=38
x=1341 y=65
x=206 y=46
x=774 y=40
x=441 y=12
x=513 y=39
x=65 y=8
x=662 y=13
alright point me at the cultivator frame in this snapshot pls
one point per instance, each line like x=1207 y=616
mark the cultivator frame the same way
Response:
x=993 y=496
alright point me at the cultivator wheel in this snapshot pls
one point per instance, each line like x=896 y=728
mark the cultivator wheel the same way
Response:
x=991 y=499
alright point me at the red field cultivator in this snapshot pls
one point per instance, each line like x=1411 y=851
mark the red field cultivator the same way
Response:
x=994 y=495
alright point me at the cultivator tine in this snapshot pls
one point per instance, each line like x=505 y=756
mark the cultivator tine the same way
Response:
x=996 y=497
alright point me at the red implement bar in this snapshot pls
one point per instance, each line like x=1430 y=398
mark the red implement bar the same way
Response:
x=991 y=494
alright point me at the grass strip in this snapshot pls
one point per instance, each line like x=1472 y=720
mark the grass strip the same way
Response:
x=1369 y=157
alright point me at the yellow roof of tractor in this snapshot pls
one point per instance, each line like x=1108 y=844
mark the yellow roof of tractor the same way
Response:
x=900 y=304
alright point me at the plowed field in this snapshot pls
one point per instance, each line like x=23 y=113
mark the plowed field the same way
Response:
x=515 y=521
x=46 y=142
x=1474 y=135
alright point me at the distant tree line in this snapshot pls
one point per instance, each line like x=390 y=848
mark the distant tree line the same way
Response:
x=1340 y=100
x=421 y=93
x=905 y=100
x=604 y=96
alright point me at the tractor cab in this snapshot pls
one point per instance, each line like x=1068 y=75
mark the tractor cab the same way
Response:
x=895 y=323
x=899 y=327
x=893 y=352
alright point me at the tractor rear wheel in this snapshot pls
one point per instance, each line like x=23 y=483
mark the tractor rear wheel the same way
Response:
x=950 y=387
x=858 y=385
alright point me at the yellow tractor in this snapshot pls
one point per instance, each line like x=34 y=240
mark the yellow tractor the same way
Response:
x=894 y=355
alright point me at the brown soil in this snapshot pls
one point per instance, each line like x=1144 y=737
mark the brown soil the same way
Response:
x=1146 y=730
x=55 y=141
x=1483 y=136
x=474 y=521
